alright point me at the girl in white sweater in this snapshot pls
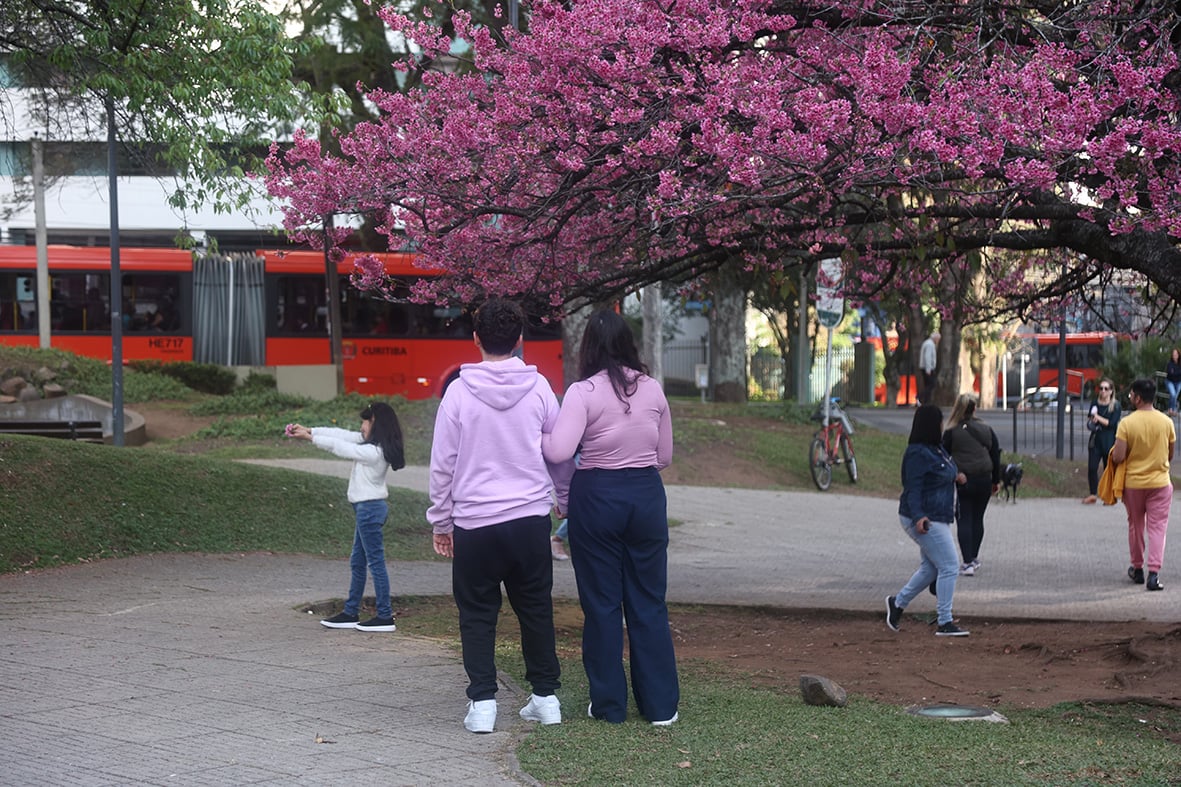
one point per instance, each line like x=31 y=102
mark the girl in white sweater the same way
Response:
x=376 y=449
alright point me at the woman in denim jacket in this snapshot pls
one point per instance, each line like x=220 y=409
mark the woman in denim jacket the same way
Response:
x=927 y=512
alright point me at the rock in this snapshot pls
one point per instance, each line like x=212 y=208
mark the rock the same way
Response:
x=44 y=375
x=7 y=399
x=28 y=394
x=819 y=690
x=13 y=386
x=53 y=391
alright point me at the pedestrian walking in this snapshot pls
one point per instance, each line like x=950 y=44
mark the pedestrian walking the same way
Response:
x=1144 y=443
x=1102 y=421
x=977 y=454
x=928 y=361
x=926 y=510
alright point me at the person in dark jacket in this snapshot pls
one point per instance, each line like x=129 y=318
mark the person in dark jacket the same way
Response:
x=927 y=510
x=1173 y=378
x=1102 y=421
x=977 y=453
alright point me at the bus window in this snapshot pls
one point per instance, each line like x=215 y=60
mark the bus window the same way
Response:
x=18 y=302
x=151 y=303
x=301 y=305
x=77 y=303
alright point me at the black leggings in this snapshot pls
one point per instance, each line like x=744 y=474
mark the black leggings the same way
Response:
x=973 y=501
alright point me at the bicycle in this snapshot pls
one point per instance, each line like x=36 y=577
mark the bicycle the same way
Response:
x=831 y=445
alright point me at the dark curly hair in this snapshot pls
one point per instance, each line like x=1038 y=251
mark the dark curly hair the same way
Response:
x=498 y=324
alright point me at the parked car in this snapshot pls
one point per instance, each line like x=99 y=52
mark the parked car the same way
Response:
x=1044 y=398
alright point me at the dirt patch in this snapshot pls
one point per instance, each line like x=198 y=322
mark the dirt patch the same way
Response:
x=170 y=420
x=1012 y=663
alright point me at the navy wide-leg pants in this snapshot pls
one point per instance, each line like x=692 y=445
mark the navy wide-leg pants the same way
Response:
x=619 y=547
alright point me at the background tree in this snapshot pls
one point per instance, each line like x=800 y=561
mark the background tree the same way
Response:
x=201 y=87
x=193 y=84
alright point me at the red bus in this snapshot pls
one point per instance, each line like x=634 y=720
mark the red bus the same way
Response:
x=173 y=311
x=157 y=301
x=1039 y=351
x=411 y=349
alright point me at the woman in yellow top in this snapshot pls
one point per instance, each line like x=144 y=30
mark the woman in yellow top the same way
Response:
x=1144 y=442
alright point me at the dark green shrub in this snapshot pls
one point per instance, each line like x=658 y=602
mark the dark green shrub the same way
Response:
x=204 y=377
x=258 y=383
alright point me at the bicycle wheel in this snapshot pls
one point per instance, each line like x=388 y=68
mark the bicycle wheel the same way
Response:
x=818 y=464
x=848 y=458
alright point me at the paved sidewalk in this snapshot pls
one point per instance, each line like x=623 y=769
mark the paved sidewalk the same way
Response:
x=191 y=669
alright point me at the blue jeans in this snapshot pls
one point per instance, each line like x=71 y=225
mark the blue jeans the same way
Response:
x=939 y=564
x=1174 y=389
x=369 y=553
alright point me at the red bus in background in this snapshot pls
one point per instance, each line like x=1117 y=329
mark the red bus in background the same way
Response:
x=156 y=301
x=1084 y=354
x=410 y=349
x=389 y=348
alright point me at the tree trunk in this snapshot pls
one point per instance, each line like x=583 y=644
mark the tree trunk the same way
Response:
x=652 y=345
x=573 y=326
x=727 y=332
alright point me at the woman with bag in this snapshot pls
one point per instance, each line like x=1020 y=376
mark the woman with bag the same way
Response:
x=1102 y=420
x=977 y=453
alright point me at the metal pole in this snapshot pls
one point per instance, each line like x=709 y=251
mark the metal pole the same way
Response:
x=42 y=242
x=116 y=281
x=514 y=14
x=334 y=324
x=1059 y=445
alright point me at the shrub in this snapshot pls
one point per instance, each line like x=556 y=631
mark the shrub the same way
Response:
x=204 y=377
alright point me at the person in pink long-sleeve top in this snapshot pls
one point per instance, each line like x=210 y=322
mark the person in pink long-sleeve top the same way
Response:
x=491 y=497
x=618 y=521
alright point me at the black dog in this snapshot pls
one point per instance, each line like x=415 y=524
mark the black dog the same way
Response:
x=1010 y=480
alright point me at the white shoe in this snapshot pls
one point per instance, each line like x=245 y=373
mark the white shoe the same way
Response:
x=557 y=548
x=546 y=710
x=967 y=570
x=481 y=716
x=666 y=722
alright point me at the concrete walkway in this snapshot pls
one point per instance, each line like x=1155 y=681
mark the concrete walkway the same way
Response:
x=191 y=669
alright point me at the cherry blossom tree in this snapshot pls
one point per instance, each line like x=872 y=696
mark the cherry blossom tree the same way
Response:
x=616 y=143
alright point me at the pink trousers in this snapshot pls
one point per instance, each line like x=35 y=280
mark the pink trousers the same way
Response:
x=1148 y=516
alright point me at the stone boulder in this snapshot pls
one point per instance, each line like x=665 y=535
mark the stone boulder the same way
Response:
x=819 y=690
x=12 y=386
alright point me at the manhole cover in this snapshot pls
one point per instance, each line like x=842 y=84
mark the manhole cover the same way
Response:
x=956 y=713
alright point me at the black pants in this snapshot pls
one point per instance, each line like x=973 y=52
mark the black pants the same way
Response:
x=1095 y=455
x=927 y=394
x=516 y=553
x=973 y=501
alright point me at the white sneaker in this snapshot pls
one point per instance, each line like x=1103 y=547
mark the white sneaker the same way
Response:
x=967 y=570
x=557 y=548
x=481 y=716
x=666 y=722
x=546 y=710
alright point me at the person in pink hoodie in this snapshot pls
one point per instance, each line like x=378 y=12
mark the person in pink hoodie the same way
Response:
x=491 y=497
x=618 y=521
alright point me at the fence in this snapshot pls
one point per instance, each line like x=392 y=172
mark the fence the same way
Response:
x=766 y=375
